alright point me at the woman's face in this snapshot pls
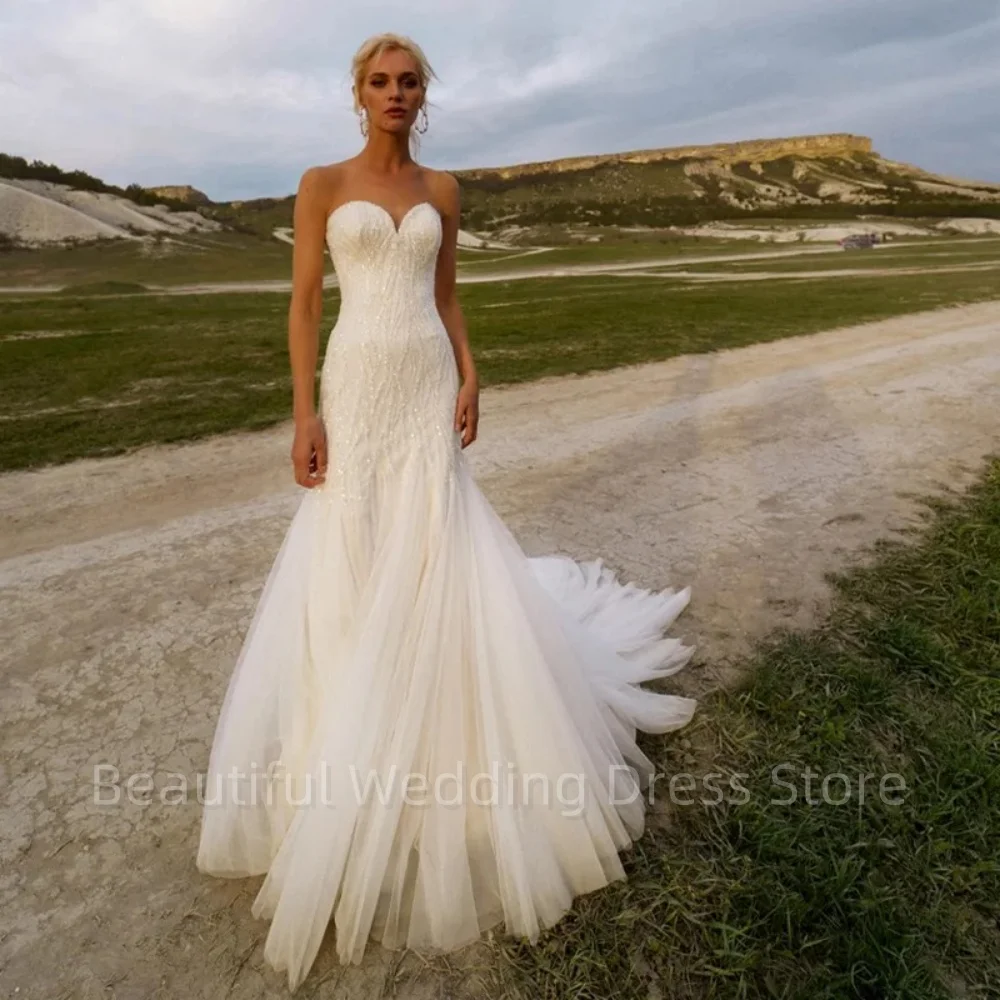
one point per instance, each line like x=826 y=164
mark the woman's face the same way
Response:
x=391 y=91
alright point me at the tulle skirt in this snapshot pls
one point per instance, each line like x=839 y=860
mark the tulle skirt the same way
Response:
x=427 y=732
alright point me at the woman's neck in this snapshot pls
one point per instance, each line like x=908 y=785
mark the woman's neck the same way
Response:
x=387 y=153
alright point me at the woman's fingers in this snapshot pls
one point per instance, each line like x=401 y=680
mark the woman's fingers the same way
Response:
x=470 y=424
x=309 y=480
x=309 y=455
x=321 y=454
x=308 y=472
x=316 y=473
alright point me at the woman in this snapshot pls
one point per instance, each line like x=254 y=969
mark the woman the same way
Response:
x=403 y=638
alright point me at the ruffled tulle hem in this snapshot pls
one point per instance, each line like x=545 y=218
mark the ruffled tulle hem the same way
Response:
x=414 y=644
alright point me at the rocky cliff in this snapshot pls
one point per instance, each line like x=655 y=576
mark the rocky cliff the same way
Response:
x=181 y=192
x=811 y=176
x=750 y=150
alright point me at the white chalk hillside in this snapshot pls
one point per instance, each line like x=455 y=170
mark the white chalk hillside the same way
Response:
x=833 y=232
x=37 y=213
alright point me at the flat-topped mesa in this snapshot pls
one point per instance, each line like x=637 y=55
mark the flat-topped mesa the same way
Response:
x=180 y=192
x=753 y=150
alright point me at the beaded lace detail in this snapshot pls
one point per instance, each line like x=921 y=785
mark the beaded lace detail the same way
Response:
x=389 y=377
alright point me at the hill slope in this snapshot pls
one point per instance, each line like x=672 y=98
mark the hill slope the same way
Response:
x=822 y=176
x=836 y=176
x=34 y=213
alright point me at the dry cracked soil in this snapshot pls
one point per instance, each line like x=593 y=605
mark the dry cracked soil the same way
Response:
x=126 y=585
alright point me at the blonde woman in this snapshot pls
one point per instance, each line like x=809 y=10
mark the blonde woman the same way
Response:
x=427 y=733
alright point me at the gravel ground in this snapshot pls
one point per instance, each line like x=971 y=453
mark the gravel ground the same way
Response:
x=126 y=585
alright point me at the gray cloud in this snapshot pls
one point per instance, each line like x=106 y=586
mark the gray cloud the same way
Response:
x=238 y=96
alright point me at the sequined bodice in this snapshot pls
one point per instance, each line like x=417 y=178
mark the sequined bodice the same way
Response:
x=389 y=378
x=385 y=273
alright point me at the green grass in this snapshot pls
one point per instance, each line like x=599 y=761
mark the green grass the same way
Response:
x=237 y=257
x=84 y=376
x=739 y=896
x=902 y=256
x=104 y=288
x=670 y=250
x=227 y=257
x=90 y=376
x=218 y=257
x=673 y=252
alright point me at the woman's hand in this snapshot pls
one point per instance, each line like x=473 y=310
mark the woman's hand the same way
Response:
x=467 y=411
x=309 y=452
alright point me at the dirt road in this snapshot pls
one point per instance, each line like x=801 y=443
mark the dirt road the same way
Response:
x=126 y=585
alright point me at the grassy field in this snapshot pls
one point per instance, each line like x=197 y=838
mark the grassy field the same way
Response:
x=761 y=893
x=985 y=251
x=222 y=257
x=237 y=257
x=672 y=251
x=791 y=256
x=233 y=256
x=92 y=375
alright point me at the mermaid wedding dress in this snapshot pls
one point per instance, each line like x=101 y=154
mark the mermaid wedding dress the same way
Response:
x=426 y=732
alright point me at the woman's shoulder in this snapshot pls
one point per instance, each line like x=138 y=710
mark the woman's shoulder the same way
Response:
x=439 y=177
x=320 y=185
x=442 y=184
x=326 y=175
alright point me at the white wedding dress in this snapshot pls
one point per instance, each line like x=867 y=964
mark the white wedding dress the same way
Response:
x=403 y=632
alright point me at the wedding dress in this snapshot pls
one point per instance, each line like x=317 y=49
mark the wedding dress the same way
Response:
x=403 y=636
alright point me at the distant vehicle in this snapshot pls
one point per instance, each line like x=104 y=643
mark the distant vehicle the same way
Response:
x=859 y=241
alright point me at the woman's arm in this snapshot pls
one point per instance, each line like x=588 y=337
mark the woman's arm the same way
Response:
x=304 y=313
x=467 y=404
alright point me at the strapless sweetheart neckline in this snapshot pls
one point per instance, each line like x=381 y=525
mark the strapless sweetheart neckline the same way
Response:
x=397 y=227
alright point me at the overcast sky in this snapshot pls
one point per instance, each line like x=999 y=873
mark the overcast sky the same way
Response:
x=237 y=97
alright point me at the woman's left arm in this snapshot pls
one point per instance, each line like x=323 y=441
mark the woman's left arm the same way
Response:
x=467 y=403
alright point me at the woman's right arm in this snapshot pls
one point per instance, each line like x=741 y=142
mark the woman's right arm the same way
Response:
x=304 y=314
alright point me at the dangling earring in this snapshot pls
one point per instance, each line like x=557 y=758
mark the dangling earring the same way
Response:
x=426 y=123
x=363 y=120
